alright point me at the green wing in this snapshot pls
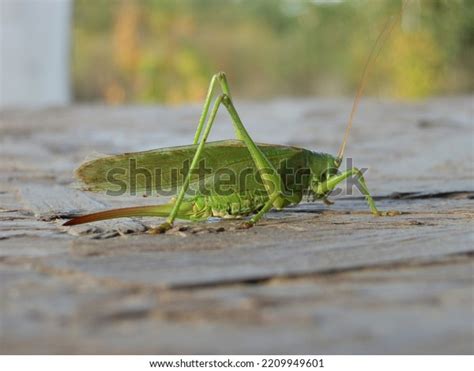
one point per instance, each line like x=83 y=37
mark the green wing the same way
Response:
x=162 y=170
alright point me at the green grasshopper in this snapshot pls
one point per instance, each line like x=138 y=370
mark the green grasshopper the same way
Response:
x=267 y=188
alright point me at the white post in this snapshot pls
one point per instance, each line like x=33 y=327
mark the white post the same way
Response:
x=34 y=52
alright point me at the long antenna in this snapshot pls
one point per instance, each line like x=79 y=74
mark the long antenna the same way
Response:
x=374 y=53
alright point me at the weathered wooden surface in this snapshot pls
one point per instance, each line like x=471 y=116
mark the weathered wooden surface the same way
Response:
x=311 y=279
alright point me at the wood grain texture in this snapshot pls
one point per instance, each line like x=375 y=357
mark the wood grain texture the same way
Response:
x=310 y=279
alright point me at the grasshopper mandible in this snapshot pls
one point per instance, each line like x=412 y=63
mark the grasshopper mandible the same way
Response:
x=267 y=188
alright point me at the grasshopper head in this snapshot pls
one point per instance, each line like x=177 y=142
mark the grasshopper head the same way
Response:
x=322 y=166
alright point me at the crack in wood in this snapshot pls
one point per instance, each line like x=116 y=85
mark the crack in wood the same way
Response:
x=81 y=277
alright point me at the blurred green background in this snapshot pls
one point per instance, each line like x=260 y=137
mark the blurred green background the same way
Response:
x=140 y=51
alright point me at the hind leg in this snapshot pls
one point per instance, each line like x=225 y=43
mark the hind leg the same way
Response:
x=270 y=177
x=218 y=78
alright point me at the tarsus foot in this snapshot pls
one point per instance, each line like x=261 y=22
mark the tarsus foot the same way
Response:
x=246 y=225
x=162 y=228
x=387 y=213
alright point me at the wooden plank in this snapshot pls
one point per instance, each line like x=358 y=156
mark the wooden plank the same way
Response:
x=291 y=244
x=53 y=202
x=407 y=309
x=312 y=277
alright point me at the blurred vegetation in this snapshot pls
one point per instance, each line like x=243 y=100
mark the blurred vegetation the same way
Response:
x=167 y=50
